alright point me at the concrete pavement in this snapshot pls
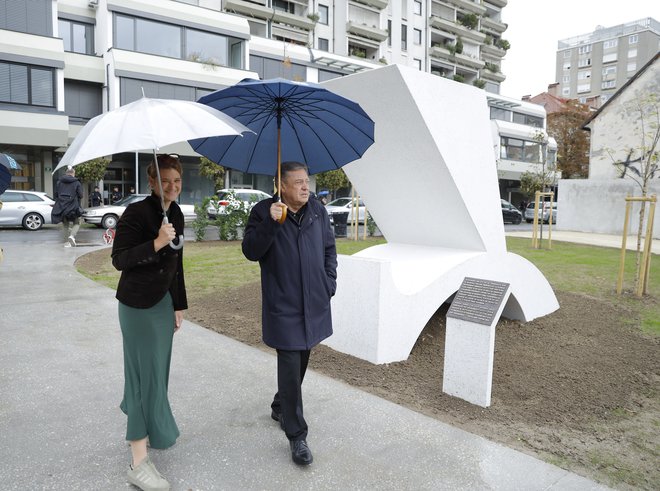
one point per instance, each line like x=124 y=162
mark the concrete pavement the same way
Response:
x=61 y=381
x=603 y=240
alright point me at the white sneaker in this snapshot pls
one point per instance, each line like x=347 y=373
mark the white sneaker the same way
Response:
x=66 y=244
x=72 y=241
x=146 y=477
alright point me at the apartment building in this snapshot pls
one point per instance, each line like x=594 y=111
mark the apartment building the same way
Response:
x=592 y=67
x=63 y=62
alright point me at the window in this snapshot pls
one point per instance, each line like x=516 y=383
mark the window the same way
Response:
x=583 y=88
x=632 y=53
x=500 y=114
x=31 y=17
x=633 y=39
x=582 y=100
x=284 y=6
x=159 y=38
x=417 y=7
x=27 y=84
x=566 y=91
x=567 y=65
x=584 y=49
x=131 y=90
x=527 y=119
x=323 y=14
x=389 y=33
x=418 y=64
x=566 y=78
x=323 y=44
x=271 y=68
x=567 y=53
x=610 y=70
x=584 y=74
x=584 y=62
x=608 y=84
x=417 y=36
x=604 y=98
x=78 y=37
x=404 y=9
x=632 y=67
x=520 y=150
x=404 y=37
x=612 y=43
x=82 y=101
x=610 y=57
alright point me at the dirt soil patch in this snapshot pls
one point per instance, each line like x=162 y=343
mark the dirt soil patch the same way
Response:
x=577 y=388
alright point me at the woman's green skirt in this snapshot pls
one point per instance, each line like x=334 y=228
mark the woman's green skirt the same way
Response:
x=147 y=335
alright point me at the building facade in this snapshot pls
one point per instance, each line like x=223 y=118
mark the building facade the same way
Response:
x=592 y=67
x=62 y=62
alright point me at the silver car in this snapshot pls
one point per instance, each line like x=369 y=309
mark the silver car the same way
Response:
x=107 y=216
x=28 y=209
x=544 y=212
x=237 y=198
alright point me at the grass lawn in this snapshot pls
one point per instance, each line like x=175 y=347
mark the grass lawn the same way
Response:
x=575 y=268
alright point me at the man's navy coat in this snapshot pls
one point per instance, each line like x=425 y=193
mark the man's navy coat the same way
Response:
x=298 y=275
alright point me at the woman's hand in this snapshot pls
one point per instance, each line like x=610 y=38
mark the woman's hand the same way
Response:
x=178 y=319
x=165 y=235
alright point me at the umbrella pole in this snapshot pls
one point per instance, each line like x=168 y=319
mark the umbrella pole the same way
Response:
x=279 y=169
x=162 y=203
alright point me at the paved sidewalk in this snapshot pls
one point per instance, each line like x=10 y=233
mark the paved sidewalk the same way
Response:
x=603 y=240
x=61 y=380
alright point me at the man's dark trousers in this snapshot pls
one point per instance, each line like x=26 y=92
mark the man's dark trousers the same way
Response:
x=291 y=368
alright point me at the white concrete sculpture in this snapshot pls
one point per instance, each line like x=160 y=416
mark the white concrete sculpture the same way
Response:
x=430 y=183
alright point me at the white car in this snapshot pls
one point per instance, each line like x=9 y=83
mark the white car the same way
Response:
x=28 y=209
x=342 y=205
x=240 y=198
x=544 y=212
x=107 y=216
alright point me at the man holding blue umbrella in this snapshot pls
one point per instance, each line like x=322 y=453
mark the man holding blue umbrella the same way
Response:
x=298 y=261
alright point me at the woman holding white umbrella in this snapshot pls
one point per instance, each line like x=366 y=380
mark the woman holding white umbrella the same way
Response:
x=152 y=298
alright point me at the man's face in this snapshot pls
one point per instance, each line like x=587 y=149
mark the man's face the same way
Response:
x=295 y=188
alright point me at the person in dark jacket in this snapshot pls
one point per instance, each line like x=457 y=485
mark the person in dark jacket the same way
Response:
x=96 y=197
x=115 y=195
x=152 y=298
x=298 y=261
x=68 y=193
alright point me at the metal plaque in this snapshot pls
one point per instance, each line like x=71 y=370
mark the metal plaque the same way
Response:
x=478 y=300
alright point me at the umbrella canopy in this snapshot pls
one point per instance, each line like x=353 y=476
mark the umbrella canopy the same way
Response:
x=147 y=124
x=318 y=128
x=5 y=179
x=9 y=162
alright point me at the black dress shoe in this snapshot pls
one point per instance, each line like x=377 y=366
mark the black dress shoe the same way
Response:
x=278 y=417
x=300 y=452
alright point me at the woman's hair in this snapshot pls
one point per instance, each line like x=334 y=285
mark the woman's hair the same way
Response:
x=164 y=162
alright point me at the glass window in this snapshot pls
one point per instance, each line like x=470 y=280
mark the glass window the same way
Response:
x=584 y=74
x=78 y=37
x=584 y=49
x=417 y=36
x=612 y=43
x=567 y=53
x=607 y=58
x=633 y=39
x=417 y=7
x=323 y=44
x=158 y=38
x=566 y=91
x=125 y=32
x=284 y=6
x=567 y=65
x=323 y=14
x=511 y=148
x=632 y=67
x=24 y=84
x=566 y=78
x=610 y=70
x=608 y=84
x=500 y=114
x=632 y=53
x=583 y=88
x=532 y=152
x=584 y=62
x=206 y=47
x=389 y=33
x=41 y=86
x=404 y=37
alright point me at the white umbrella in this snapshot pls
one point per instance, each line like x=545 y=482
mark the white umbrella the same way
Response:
x=148 y=124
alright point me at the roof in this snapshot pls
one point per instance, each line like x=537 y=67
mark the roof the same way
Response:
x=623 y=87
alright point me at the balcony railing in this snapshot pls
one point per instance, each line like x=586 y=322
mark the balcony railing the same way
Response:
x=249 y=8
x=493 y=76
x=469 y=5
x=469 y=61
x=492 y=50
x=365 y=31
x=301 y=21
x=379 y=4
x=497 y=3
x=440 y=53
x=495 y=25
x=459 y=30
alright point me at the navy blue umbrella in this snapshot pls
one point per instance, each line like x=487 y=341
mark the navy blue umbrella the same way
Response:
x=298 y=121
x=5 y=179
x=9 y=162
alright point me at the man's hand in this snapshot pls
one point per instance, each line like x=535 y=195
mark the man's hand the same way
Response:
x=276 y=210
x=178 y=319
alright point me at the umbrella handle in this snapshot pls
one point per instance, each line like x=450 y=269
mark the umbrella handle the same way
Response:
x=283 y=217
x=174 y=246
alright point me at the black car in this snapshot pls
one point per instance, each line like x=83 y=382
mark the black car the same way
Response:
x=510 y=213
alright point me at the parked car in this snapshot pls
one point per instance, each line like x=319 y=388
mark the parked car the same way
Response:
x=544 y=211
x=28 y=209
x=241 y=197
x=107 y=216
x=342 y=205
x=510 y=214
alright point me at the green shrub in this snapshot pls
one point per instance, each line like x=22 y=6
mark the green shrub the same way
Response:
x=202 y=220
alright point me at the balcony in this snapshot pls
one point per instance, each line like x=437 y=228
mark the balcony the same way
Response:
x=494 y=25
x=285 y=32
x=497 y=3
x=492 y=50
x=441 y=53
x=300 y=21
x=249 y=8
x=379 y=4
x=446 y=25
x=492 y=76
x=365 y=31
x=469 y=5
x=468 y=61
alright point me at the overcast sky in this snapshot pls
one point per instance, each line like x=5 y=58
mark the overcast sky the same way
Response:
x=535 y=26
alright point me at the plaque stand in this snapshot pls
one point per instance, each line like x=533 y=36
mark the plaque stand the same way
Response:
x=470 y=339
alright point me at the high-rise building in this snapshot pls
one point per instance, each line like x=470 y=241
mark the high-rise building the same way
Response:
x=592 y=67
